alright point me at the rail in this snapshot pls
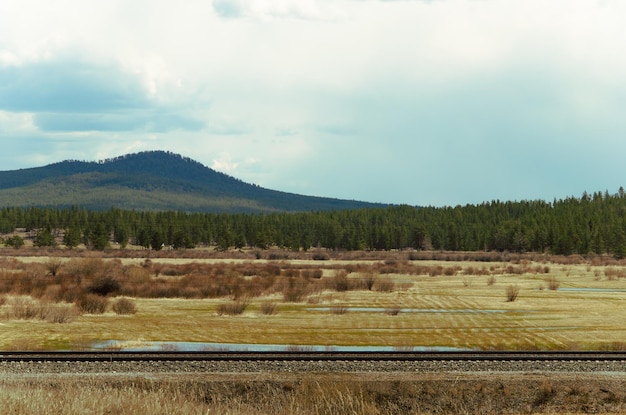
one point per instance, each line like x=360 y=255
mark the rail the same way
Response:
x=173 y=356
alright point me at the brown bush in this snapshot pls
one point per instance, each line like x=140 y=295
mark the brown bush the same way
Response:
x=512 y=291
x=385 y=285
x=104 y=286
x=450 y=271
x=294 y=294
x=53 y=265
x=61 y=313
x=317 y=273
x=553 y=283
x=340 y=281
x=92 y=303
x=24 y=308
x=369 y=280
x=124 y=306
x=268 y=308
x=232 y=308
x=339 y=309
x=613 y=273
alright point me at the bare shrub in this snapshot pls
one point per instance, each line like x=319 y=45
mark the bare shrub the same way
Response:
x=340 y=281
x=24 y=308
x=135 y=274
x=512 y=291
x=510 y=269
x=316 y=273
x=385 y=285
x=295 y=290
x=61 y=313
x=612 y=273
x=291 y=273
x=85 y=267
x=339 y=309
x=232 y=308
x=294 y=294
x=92 y=303
x=450 y=271
x=268 y=308
x=470 y=271
x=124 y=306
x=491 y=280
x=435 y=271
x=553 y=283
x=53 y=265
x=369 y=280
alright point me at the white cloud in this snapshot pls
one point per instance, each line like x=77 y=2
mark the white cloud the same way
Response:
x=17 y=123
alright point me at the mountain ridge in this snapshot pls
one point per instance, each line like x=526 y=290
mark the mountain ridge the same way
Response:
x=151 y=180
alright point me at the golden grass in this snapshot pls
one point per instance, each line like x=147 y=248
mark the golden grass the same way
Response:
x=458 y=310
x=306 y=393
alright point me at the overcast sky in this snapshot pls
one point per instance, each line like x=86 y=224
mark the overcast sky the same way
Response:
x=439 y=102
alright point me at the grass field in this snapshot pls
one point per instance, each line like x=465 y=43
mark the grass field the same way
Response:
x=361 y=299
x=423 y=303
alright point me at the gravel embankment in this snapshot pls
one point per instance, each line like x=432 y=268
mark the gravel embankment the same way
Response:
x=109 y=368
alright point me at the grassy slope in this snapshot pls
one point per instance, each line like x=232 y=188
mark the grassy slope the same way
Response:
x=150 y=181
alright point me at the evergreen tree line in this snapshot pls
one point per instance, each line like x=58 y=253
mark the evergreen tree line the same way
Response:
x=593 y=223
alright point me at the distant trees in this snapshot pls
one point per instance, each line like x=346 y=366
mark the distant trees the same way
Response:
x=72 y=237
x=44 y=237
x=594 y=223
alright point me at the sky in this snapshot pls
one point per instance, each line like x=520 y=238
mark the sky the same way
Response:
x=419 y=102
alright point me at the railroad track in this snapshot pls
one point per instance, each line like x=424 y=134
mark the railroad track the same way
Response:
x=304 y=356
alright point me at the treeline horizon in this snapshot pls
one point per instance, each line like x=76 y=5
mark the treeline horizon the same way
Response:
x=590 y=224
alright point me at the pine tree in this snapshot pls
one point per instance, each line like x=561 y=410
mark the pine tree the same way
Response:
x=44 y=237
x=71 y=239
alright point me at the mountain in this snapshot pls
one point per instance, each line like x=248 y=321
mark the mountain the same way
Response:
x=154 y=180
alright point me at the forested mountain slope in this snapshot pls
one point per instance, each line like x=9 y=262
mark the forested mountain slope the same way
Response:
x=154 y=181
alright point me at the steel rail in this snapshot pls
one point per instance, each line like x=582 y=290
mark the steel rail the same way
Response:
x=176 y=356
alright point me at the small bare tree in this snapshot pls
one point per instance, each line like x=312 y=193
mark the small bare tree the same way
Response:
x=512 y=291
x=53 y=265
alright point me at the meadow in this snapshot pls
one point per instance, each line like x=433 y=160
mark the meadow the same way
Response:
x=55 y=300
x=399 y=300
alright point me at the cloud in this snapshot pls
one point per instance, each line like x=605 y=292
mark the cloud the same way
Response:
x=68 y=85
x=416 y=101
x=228 y=9
x=144 y=120
x=276 y=9
x=76 y=95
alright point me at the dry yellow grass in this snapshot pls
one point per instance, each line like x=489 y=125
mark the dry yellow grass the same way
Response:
x=306 y=393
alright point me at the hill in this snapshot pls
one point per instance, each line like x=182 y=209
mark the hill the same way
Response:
x=154 y=180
